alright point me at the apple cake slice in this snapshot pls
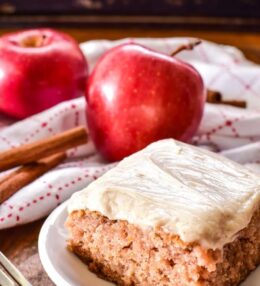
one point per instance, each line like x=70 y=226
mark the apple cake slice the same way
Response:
x=171 y=214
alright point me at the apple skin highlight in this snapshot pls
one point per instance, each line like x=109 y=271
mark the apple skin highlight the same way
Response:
x=137 y=96
x=39 y=68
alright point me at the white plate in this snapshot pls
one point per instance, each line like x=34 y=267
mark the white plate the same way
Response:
x=64 y=268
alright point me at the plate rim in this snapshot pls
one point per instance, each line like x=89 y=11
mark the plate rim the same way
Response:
x=44 y=258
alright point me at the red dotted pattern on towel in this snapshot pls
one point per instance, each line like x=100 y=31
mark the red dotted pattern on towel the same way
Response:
x=46 y=126
x=42 y=126
x=53 y=191
x=226 y=123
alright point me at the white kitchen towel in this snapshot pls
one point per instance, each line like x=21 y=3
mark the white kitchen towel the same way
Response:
x=234 y=132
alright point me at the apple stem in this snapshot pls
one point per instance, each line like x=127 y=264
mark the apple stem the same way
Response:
x=184 y=47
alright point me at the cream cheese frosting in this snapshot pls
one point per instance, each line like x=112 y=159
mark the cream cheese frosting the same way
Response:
x=191 y=192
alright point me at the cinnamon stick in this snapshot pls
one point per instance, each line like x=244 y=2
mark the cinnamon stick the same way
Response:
x=216 y=97
x=32 y=152
x=21 y=177
x=213 y=96
x=237 y=103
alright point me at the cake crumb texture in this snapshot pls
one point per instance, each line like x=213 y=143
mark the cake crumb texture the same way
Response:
x=129 y=255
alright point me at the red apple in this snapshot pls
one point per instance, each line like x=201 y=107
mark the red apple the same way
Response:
x=38 y=69
x=136 y=96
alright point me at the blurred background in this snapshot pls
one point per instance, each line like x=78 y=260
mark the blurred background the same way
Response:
x=223 y=21
x=238 y=14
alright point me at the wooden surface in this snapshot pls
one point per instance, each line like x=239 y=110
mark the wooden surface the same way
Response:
x=20 y=244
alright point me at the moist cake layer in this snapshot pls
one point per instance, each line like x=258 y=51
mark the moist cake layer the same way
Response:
x=129 y=255
x=188 y=191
